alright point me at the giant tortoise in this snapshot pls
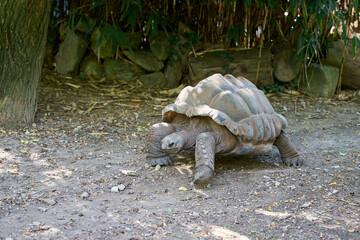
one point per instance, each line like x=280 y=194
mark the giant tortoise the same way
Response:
x=220 y=115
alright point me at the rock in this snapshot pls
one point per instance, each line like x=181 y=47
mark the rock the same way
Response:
x=35 y=224
x=42 y=209
x=195 y=214
x=114 y=189
x=117 y=69
x=156 y=79
x=84 y=195
x=63 y=30
x=158 y=167
x=118 y=188
x=183 y=29
x=91 y=66
x=70 y=54
x=50 y=201
x=174 y=71
x=322 y=80
x=121 y=187
x=129 y=173
x=238 y=63
x=351 y=70
x=85 y=24
x=145 y=60
x=305 y=205
x=160 y=45
x=285 y=65
x=134 y=39
x=105 y=50
x=175 y=68
x=311 y=218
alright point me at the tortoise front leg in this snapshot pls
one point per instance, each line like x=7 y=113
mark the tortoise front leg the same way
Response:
x=205 y=157
x=288 y=152
x=154 y=153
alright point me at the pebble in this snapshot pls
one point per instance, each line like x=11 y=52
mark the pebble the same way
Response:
x=292 y=187
x=157 y=168
x=310 y=218
x=129 y=173
x=118 y=188
x=50 y=201
x=35 y=224
x=42 y=209
x=305 y=205
x=84 y=195
x=114 y=189
x=195 y=214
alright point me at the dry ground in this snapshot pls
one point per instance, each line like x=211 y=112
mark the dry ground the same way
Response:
x=58 y=178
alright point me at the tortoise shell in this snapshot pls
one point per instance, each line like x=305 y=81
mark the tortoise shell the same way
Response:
x=233 y=102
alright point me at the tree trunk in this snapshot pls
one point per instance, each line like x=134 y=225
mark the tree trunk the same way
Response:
x=23 y=28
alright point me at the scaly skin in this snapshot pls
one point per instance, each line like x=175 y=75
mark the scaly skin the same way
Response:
x=288 y=152
x=205 y=157
x=153 y=139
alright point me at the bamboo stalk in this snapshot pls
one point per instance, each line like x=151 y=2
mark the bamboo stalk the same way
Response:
x=261 y=46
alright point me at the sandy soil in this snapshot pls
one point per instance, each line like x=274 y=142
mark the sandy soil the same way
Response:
x=79 y=173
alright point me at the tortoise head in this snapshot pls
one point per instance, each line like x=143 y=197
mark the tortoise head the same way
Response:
x=172 y=143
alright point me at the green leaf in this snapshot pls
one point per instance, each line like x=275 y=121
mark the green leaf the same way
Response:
x=342 y=154
x=169 y=211
x=132 y=16
x=23 y=151
x=344 y=33
x=139 y=4
x=149 y=22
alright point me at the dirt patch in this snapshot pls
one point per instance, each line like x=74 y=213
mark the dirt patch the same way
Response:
x=79 y=172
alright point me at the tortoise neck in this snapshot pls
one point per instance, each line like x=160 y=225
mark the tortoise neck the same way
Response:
x=195 y=126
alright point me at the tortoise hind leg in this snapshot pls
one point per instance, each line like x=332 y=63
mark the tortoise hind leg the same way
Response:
x=289 y=154
x=205 y=157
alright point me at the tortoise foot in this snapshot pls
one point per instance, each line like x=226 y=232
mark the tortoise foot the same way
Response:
x=296 y=161
x=203 y=174
x=165 y=160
